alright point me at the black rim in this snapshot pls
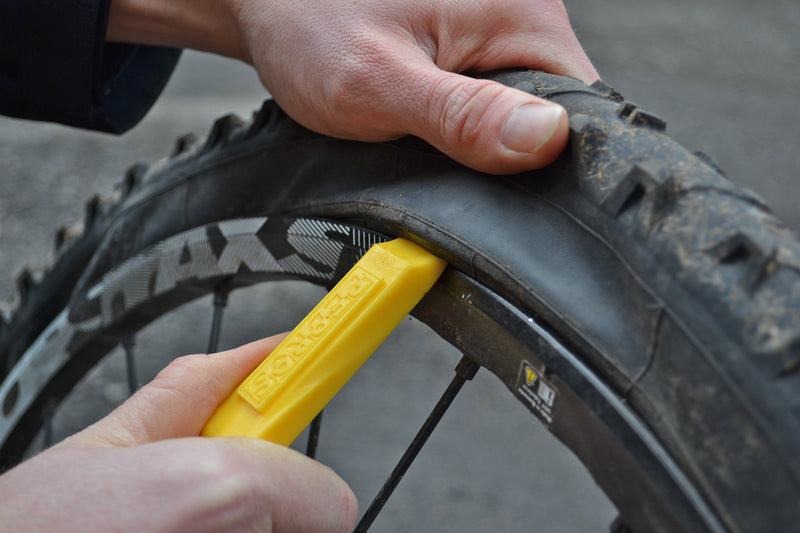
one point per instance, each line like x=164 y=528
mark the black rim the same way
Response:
x=577 y=407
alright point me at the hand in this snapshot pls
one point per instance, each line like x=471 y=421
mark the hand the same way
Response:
x=372 y=70
x=142 y=468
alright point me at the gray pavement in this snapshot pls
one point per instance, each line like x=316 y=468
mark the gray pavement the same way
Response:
x=722 y=72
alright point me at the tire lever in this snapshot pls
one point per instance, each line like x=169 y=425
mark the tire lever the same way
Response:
x=298 y=379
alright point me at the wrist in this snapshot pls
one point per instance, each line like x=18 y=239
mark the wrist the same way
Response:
x=205 y=25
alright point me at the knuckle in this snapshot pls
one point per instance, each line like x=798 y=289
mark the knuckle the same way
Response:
x=227 y=488
x=464 y=111
x=178 y=370
x=179 y=366
x=358 y=82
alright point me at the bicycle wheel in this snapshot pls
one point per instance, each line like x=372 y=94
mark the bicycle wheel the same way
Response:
x=643 y=308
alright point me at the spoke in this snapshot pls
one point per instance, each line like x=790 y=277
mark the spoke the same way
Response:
x=128 y=342
x=465 y=371
x=313 y=436
x=220 y=301
x=47 y=426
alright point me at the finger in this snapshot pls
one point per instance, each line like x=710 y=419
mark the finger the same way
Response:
x=192 y=484
x=483 y=124
x=304 y=495
x=179 y=401
x=510 y=34
x=554 y=49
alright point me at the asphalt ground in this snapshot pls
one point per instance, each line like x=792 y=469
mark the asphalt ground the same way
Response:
x=721 y=72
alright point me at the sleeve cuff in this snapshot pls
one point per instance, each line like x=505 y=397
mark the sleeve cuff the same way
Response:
x=64 y=71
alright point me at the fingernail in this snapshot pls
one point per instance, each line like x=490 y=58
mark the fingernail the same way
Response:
x=530 y=126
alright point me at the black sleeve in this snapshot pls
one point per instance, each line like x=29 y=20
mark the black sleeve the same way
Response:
x=55 y=65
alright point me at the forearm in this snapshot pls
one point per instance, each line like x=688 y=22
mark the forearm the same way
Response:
x=207 y=25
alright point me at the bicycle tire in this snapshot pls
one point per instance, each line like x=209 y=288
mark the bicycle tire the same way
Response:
x=658 y=301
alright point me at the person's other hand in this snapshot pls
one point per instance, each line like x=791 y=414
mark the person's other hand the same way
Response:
x=373 y=70
x=142 y=468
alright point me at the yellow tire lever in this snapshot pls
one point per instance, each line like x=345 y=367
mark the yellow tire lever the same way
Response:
x=298 y=379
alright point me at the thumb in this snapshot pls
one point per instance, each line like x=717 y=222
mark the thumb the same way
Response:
x=179 y=401
x=488 y=126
